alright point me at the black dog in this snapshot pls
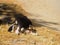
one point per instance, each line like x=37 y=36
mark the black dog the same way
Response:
x=22 y=23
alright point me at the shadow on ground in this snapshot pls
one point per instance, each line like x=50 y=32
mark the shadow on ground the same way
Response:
x=40 y=23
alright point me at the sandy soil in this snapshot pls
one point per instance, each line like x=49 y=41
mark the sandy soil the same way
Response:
x=45 y=36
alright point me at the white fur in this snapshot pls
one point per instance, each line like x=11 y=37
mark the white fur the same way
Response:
x=16 y=22
x=27 y=31
x=22 y=29
x=12 y=29
x=17 y=30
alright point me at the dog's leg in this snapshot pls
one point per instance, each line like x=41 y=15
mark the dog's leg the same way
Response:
x=22 y=30
x=11 y=28
x=17 y=30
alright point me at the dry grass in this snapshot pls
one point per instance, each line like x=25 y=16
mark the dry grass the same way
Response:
x=46 y=37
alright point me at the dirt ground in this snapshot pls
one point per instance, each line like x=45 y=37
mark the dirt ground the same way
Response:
x=45 y=36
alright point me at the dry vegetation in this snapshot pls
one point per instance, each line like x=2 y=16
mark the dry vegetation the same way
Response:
x=45 y=36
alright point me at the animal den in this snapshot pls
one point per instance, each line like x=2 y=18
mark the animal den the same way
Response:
x=19 y=22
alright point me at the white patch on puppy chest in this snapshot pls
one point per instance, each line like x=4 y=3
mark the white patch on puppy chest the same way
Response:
x=17 y=30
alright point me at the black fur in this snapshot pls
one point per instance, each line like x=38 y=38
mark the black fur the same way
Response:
x=0 y=21
x=22 y=20
x=10 y=28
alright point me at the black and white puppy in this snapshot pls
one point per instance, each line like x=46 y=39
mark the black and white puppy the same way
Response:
x=23 y=22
